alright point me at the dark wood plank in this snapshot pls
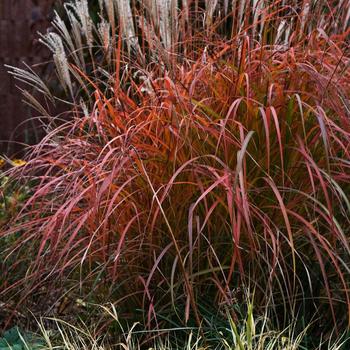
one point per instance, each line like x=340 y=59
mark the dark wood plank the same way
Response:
x=19 y=22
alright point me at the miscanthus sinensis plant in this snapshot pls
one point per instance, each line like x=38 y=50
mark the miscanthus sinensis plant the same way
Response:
x=207 y=149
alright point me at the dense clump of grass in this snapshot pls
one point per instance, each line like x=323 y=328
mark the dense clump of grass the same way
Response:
x=248 y=333
x=204 y=153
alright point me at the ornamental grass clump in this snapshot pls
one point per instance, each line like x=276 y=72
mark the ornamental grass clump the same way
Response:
x=187 y=174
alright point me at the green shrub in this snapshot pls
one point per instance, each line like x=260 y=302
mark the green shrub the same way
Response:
x=14 y=340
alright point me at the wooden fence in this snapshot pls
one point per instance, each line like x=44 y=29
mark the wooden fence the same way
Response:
x=19 y=22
